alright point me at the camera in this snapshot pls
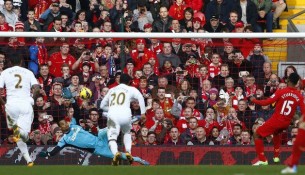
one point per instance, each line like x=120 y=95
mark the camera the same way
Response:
x=273 y=81
x=88 y=53
x=83 y=121
x=96 y=7
x=46 y=117
x=180 y=72
x=168 y=95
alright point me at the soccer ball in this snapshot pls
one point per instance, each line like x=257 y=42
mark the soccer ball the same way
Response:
x=85 y=93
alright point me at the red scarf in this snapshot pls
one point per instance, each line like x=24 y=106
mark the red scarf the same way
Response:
x=42 y=55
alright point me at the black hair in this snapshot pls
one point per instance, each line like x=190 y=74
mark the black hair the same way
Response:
x=15 y=59
x=294 y=78
x=125 y=79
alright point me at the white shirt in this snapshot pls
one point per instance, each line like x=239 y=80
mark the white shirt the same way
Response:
x=118 y=99
x=18 y=82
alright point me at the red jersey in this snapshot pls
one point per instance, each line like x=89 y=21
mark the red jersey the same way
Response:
x=287 y=100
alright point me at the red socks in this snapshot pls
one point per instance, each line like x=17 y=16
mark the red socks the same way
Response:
x=297 y=148
x=277 y=143
x=259 y=147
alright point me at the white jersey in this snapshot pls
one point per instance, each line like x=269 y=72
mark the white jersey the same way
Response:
x=118 y=99
x=18 y=82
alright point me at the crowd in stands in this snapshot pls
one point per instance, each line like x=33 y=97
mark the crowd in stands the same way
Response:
x=196 y=91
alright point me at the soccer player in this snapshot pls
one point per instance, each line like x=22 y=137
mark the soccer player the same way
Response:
x=18 y=82
x=287 y=100
x=297 y=148
x=76 y=136
x=117 y=103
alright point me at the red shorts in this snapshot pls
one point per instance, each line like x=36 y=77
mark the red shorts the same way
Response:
x=272 y=126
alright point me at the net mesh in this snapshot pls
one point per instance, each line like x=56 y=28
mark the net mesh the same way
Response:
x=208 y=72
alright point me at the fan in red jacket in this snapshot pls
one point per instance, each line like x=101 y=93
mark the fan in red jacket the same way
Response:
x=141 y=54
x=176 y=11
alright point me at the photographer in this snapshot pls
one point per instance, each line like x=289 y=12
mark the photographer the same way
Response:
x=272 y=85
x=86 y=56
x=142 y=16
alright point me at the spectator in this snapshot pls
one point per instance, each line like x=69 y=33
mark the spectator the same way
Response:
x=219 y=80
x=15 y=48
x=10 y=17
x=35 y=138
x=213 y=136
x=186 y=24
x=233 y=19
x=141 y=54
x=267 y=68
x=245 y=138
x=174 y=137
x=288 y=70
x=38 y=55
x=151 y=138
x=189 y=133
x=50 y=15
x=4 y=26
x=272 y=85
x=57 y=135
x=278 y=6
x=162 y=24
x=200 y=137
x=143 y=135
x=45 y=126
x=31 y=25
x=239 y=64
x=168 y=55
x=177 y=9
x=264 y=12
x=219 y=8
x=142 y=16
x=247 y=12
x=58 y=58
x=244 y=114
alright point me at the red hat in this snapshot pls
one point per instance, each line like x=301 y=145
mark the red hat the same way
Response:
x=239 y=24
x=140 y=40
x=197 y=19
x=147 y=25
x=228 y=44
x=19 y=25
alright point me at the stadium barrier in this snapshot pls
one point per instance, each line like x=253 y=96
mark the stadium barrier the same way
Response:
x=181 y=155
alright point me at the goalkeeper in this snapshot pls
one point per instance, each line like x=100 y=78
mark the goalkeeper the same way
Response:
x=76 y=136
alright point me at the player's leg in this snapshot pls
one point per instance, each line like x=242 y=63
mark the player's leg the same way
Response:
x=298 y=147
x=276 y=145
x=127 y=141
x=261 y=132
x=112 y=134
x=21 y=127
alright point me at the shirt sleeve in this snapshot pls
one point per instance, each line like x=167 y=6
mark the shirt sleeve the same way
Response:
x=273 y=98
x=33 y=79
x=2 y=81
x=105 y=102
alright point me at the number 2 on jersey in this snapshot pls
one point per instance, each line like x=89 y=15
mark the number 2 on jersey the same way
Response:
x=18 y=86
x=287 y=105
x=117 y=99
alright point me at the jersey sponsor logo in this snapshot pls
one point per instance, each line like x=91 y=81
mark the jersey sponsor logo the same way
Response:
x=75 y=132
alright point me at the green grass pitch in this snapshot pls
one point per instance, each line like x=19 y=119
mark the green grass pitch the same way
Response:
x=145 y=170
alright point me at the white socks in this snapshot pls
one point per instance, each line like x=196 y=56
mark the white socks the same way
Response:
x=113 y=146
x=24 y=151
x=127 y=142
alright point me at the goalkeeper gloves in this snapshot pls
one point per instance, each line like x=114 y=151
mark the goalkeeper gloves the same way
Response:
x=44 y=154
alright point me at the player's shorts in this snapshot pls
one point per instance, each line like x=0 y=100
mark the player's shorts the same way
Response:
x=19 y=113
x=116 y=124
x=272 y=126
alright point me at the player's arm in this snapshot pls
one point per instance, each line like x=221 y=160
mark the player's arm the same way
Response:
x=60 y=145
x=273 y=98
x=2 y=101
x=105 y=102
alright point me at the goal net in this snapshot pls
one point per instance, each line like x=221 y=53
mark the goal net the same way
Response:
x=195 y=85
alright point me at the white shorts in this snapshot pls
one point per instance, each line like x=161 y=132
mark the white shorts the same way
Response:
x=116 y=124
x=20 y=114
